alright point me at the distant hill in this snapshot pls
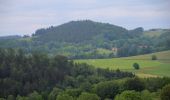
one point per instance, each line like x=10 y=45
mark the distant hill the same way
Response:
x=78 y=31
x=10 y=37
x=88 y=39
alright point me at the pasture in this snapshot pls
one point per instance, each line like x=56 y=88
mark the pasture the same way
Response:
x=148 y=67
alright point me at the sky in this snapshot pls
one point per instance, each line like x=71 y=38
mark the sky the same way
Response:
x=19 y=17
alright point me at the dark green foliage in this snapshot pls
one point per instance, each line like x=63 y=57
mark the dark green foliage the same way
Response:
x=136 y=66
x=39 y=77
x=54 y=93
x=154 y=84
x=107 y=89
x=134 y=84
x=154 y=57
x=128 y=95
x=79 y=30
x=21 y=74
x=86 y=87
x=133 y=95
x=165 y=93
x=136 y=32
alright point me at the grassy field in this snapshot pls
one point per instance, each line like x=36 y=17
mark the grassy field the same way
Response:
x=148 y=67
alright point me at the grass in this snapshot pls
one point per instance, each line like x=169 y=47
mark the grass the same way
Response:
x=164 y=55
x=148 y=67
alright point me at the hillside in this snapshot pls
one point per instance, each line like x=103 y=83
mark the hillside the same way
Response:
x=164 y=55
x=148 y=67
x=78 y=31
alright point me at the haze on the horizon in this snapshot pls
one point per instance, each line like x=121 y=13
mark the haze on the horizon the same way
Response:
x=25 y=16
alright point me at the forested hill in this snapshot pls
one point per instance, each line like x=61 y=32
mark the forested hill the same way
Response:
x=88 y=39
x=76 y=31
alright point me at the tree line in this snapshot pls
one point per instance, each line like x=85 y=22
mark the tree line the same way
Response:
x=22 y=74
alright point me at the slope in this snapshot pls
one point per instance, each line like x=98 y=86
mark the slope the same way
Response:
x=147 y=67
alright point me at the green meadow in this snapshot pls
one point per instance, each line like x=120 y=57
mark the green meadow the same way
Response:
x=148 y=67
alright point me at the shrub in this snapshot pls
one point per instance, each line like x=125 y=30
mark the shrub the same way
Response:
x=136 y=66
x=154 y=57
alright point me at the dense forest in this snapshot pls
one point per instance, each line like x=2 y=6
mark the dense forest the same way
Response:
x=37 y=76
x=89 y=39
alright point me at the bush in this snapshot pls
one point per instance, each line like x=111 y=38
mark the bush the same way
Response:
x=154 y=57
x=136 y=66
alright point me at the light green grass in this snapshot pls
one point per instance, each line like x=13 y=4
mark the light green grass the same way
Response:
x=164 y=55
x=116 y=63
x=148 y=67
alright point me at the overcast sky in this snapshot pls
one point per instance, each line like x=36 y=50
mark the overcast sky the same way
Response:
x=25 y=16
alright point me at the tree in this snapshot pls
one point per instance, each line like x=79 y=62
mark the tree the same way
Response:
x=136 y=66
x=86 y=87
x=88 y=96
x=154 y=57
x=107 y=89
x=165 y=93
x=134 y=84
